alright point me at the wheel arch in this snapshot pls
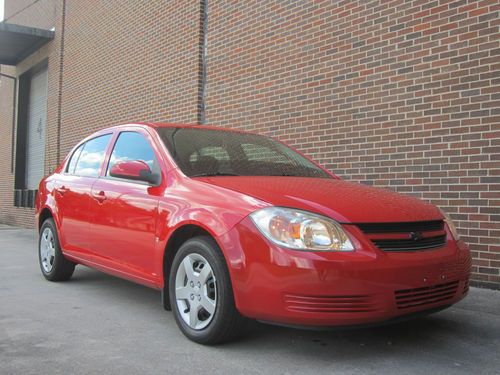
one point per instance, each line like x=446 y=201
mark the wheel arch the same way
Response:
x=45 y=214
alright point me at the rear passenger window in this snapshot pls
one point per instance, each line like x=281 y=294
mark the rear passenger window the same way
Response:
x=91 y=157
x=74 y=159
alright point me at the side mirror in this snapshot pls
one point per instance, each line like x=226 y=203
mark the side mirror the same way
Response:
x=136 y=170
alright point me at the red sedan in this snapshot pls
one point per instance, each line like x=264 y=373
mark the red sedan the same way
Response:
x=232 y=225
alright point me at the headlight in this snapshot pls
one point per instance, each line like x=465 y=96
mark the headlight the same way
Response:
x=449 y=222
x=301 y=230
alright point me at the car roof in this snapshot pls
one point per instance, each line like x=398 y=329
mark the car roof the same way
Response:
x=157 y=125
x=175 y=125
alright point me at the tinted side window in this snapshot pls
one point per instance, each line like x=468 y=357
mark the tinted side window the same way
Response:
x=91 y=158
x=133 y=146
x=74 y=159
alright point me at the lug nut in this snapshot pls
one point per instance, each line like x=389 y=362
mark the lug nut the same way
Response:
x=192 y=296
x=192 y=284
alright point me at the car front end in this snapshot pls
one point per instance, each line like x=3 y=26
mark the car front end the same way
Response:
x=394 y=270
x=310 y=249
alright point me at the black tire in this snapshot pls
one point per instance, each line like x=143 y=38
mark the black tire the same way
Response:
x=61 y=269
x=226 y=323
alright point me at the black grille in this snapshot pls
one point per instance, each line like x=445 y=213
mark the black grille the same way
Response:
x=418 y=226
x=420 y=235
x=411 y=245
x=420 y=297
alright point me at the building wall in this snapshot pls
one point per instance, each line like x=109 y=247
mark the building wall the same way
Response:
x=43 y=14
x=403 y=95
x=397 y=94
x=128 y=66
x=128 y=61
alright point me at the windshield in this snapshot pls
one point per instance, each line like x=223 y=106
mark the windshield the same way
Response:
x=206 y=152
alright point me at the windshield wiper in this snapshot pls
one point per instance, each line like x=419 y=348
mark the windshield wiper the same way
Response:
x=208 y=174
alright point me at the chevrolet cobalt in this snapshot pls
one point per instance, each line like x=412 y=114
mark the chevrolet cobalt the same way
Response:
x=232 y=226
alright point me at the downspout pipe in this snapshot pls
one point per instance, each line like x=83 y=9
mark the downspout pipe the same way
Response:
x=203 y=61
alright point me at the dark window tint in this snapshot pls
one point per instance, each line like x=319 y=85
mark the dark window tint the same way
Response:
x=207 y=152
x=74 y=159
x=259 y=152
x=133 y=146
x=92 y=156
x=217 y=152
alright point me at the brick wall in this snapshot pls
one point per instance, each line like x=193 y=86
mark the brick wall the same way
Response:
x=398 y=94
x=128 y=61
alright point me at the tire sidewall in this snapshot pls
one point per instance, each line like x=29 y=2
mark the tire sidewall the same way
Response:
x=205 y=248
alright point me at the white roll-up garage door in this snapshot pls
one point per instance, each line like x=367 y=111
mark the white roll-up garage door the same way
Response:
x=37 y=120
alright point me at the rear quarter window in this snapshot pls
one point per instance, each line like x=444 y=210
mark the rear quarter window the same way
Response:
x=70 y=168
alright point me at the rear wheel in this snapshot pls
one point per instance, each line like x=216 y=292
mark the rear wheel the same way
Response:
x=53 y=264
x=201 y=294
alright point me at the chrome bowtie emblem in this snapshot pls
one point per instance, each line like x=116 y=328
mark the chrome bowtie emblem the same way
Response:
x=416 y=236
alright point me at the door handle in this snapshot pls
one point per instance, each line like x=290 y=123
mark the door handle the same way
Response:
x=62 y=189
x=100 y=197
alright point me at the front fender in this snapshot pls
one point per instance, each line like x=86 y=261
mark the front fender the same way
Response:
x=214 y=223
x=214 y=209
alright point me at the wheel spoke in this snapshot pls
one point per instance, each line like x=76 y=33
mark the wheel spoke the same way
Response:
x=188 y=267
x=182 y=292
x=208 y=304
x=193 y=315
x=205 y=273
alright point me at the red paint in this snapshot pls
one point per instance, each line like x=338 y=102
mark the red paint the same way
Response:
x=122 y=227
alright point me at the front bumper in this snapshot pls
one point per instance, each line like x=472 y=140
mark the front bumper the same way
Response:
x=337 y=289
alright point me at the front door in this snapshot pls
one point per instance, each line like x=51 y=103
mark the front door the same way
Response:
x=124 y=212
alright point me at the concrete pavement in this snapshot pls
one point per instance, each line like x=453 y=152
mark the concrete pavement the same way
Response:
x=100 y=324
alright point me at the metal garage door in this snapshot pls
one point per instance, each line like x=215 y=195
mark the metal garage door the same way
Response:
x=37 y=120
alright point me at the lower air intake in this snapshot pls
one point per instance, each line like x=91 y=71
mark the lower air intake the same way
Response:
x=421 y=297
x=330 y=304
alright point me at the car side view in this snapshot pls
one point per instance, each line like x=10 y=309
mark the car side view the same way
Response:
x=232 y=226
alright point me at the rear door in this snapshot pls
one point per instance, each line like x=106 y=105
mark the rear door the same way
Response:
x=72 y=195
x=124 y=212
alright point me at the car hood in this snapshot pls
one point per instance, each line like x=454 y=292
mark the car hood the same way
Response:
x=346 y=202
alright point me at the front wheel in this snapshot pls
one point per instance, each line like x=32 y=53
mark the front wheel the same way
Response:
x=53 y=264
x=201 y=294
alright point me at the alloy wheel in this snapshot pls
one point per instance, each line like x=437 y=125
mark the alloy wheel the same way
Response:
x=47 y=250
x=195 y=291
